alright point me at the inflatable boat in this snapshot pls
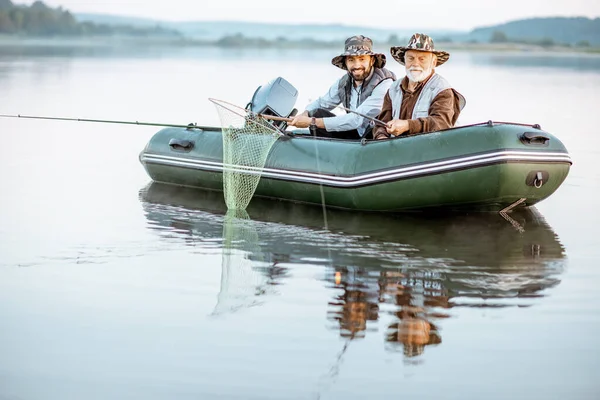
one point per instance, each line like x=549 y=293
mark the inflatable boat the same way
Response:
x=490 y=166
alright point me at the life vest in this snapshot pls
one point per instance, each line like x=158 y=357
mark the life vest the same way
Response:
x=431 y=89
x=345 y=85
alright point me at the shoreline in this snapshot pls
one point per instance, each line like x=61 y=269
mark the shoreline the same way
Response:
x=7 y=41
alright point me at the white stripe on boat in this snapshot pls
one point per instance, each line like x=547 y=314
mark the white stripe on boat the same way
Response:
x=368 y=178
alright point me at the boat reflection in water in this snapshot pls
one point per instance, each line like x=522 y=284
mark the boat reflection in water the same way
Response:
x=404 y=272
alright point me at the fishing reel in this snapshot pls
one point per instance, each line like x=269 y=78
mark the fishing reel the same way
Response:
x=276 y=98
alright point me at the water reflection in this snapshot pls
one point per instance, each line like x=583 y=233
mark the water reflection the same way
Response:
x=413 y=304
x=398 y=273
x=247 y=274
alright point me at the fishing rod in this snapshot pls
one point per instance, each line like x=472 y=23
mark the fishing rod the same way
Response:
x=375 y=120
x=189 y=126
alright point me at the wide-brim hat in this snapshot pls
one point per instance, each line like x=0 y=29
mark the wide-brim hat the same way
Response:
x=358 y=46
x=419 y=42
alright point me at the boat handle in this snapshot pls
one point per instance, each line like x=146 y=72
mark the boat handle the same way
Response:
x=181 y=144
x=537 y=179
x=534 y=138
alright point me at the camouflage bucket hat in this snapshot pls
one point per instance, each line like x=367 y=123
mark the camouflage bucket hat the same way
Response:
x=358 y=46
x=419 y=42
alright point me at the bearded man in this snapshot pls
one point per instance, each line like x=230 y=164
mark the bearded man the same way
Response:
x=423 y=101
x=361 y=90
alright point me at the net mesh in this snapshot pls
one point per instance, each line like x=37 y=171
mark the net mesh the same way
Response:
x=247 y=141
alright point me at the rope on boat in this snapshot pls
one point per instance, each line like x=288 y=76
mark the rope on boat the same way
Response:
x=504 y=214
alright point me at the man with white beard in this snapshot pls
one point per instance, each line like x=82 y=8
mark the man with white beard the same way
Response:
x=423 y=101
x=360 y=89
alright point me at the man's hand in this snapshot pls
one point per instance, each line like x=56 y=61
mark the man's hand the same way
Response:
x=301 y=121
x=397 y=127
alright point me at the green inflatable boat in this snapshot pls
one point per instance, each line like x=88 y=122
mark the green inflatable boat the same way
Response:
x=489 y=166
x=492 y=166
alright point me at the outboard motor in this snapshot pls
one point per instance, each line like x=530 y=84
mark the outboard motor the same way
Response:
x=275 y=98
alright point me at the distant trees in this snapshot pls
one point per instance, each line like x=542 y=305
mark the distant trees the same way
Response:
x=394 y=39
x=562 y=30
x=5 y=4
x=501 y=37
x=6 y=24
x=545 y=42
x=498 y=37
x=41 y=20
x=36 y=20
x=240 y=41
x=444 y=39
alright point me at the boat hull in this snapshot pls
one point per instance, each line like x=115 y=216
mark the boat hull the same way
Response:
x=478 y=167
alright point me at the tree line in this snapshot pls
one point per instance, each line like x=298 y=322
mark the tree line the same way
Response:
x=501 y=37
x=41 y=20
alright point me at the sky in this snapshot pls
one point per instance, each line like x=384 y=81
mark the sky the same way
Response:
x=424 y=14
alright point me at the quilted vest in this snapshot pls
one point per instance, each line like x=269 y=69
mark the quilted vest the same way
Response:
x=431 y=89
x=345 y=85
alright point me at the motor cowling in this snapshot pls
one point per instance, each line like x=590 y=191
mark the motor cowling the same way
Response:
x=277 y=98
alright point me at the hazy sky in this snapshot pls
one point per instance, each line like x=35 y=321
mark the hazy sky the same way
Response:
x=422 y=14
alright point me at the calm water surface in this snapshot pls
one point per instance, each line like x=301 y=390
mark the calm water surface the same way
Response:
x=114 y=287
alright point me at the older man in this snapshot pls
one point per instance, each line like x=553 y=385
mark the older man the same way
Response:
x=361 y=90
x=423 y=101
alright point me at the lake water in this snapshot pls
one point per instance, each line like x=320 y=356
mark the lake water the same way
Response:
x=114 y=287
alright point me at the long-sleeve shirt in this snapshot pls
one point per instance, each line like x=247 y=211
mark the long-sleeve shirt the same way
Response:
x=443 y=112
x=345 y=122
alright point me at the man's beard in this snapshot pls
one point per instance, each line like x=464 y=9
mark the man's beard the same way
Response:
x=360 y=74
x=416 y=75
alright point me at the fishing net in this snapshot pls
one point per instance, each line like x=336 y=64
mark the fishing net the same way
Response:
x=247 y=141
